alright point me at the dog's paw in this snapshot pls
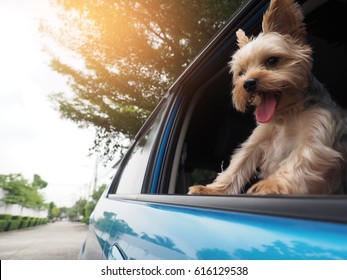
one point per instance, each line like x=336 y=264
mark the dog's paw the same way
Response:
x=208 y=190
x=197 y=189
x=266 y=187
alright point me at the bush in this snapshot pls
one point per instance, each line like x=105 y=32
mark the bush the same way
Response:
x=3 y=225
x=14 y=224
x=17 y=218
x=5 y=217
x=85 y=220
x=33 y=222
x=24 y=224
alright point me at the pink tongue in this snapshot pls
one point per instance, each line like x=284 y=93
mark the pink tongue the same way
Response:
x=266 y=108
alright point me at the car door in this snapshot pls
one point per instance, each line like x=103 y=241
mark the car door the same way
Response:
x=146 y=214
x=153 y=225
x=156 y=225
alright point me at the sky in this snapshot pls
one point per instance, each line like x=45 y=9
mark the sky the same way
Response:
x=33 y=137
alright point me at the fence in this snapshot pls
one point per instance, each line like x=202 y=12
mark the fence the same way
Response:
x=18 y=210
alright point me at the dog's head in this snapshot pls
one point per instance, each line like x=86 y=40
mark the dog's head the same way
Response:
x=272 y=71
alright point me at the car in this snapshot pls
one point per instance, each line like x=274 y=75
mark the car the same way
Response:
x=146 y=214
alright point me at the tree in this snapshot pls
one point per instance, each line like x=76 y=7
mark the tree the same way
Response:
x=38 y=183
x=77 y=210
x=20 y=191
x=130 y=51
x=83 y=207
x=89 y=207
x=97 y=193
x=53 y=211
x=63 y=212
x=87 y=211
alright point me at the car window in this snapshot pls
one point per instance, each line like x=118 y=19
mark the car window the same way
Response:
x=132 y=174
x=212 y=129
x=207 y=129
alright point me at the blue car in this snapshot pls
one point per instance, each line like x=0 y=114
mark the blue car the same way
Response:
x=146 y=213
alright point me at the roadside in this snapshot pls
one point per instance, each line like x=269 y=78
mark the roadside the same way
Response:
x=57 y=241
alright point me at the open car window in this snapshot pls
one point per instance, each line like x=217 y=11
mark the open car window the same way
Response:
x=210 y=129
x=200 y=129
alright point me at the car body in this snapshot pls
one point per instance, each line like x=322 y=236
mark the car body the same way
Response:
x=145 y=212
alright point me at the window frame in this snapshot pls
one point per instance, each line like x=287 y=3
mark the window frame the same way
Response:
x=320 y=208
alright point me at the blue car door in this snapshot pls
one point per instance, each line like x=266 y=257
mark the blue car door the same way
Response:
x=144 y=224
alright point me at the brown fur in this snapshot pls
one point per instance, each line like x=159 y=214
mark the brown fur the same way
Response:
x=301 y=149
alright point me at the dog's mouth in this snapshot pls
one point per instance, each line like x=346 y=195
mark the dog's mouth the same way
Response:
x=268 y=103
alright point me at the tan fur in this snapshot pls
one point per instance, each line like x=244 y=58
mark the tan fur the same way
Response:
x=242 y=39
x=300 y=150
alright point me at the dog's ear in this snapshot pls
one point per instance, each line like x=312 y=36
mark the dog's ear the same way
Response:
x=284 y=17
x=242 y=39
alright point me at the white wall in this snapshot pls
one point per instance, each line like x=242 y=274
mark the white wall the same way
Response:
x=17 y=210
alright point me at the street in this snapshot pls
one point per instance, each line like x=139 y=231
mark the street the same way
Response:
x=54 y=241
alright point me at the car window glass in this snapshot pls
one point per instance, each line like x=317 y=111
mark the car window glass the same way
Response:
x=133 y=173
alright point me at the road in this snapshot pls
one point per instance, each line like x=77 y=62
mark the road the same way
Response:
x=54 y=241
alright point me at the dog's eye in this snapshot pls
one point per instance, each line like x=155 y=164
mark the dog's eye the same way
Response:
x=271 y=61
x=241 y=73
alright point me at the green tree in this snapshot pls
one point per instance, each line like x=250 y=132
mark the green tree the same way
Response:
x=20 y=191
x=131 y=51
x=38 y=182
x=87 y=211
x=97 y=193
x=52 y=211
x=72 y=214
x=77 y=209
x=63 y=212
x=83 y=207
x=55 y=212
x=90 y=206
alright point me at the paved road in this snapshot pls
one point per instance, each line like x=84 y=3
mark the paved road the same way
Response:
x=58 y=241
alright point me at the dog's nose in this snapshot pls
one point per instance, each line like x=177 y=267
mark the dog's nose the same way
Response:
x=250 y=85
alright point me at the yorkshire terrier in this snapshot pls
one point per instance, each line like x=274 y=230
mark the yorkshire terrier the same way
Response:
x=299 y=145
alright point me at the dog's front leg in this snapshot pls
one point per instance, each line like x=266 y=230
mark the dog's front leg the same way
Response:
x=310 y=170
x=313 y=167
x=242 y=166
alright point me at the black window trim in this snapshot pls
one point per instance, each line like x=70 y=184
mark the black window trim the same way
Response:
x=313 y=208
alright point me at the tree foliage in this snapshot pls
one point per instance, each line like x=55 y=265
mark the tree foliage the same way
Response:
x=53 y=211
x=84 y=207
x=131 y=51
x=77 y=209
x=21 y=191
x=97 y=193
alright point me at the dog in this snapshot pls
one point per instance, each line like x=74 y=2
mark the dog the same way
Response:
x=299 y=144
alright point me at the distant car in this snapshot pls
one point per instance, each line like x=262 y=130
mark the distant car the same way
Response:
x=146 y=214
